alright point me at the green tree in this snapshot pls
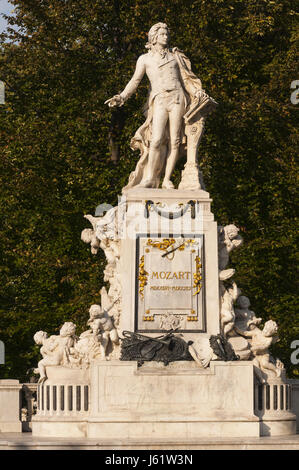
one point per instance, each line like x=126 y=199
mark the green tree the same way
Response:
x=60 y=60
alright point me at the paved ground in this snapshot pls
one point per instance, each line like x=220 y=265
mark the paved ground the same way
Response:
x=25 y=441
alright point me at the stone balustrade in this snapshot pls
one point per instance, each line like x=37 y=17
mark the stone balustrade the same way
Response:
x=62 y=400
x=272 y=397
x=273 y=403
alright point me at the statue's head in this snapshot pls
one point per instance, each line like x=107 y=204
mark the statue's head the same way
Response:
x=39 y=337
x=95 y=325
x=158 y=33
x=87 y=235
x=231 y=231
x=96 y=311
x=270 y=328
x=243 y=301
x=67 y=329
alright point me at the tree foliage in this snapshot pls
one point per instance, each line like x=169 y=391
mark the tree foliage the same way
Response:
x=60 y=60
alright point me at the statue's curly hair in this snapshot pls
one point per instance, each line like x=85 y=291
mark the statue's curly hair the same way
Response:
x=95 y=310
x=67 y=329
x=270 y=328
x=39 y=335
x=153 y=32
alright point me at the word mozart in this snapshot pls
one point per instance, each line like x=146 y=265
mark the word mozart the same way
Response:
x=171 y=275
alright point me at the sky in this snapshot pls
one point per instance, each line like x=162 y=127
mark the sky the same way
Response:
x=5 y=7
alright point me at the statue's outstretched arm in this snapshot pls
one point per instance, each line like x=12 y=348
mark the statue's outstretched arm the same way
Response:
x=246 y=334
x=234 y=291
x=118 y=100
x=111 y=305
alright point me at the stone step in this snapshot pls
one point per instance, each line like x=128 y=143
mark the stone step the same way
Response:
x=25 y=441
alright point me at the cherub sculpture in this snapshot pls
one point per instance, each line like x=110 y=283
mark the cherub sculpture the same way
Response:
x=93 y=343
x=102 y=323
x=243 y=318
x=243 y=314
x=227 y=313
x=228 y=240
x=90 y=345
x=105 y=226
x=56 y=350
x=260 y=341
x=88 y=236
x=103 y=234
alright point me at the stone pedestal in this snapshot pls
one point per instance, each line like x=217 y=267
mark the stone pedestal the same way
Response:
x=191 y=177
x=10 y=398
x=155 y=286
x=176 y=402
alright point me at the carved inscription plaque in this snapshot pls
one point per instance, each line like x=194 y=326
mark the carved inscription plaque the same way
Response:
x=169 y=283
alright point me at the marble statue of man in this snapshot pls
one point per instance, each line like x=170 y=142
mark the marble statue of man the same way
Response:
x=173 y=87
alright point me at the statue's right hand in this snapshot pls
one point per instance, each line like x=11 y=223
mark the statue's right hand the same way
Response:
x=116 y=100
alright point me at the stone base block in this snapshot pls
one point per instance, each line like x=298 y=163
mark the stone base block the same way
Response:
x=174 y=431
x=10 y=400
x=10 y=426
x=278 y=426
x=56 y=428
x=175 y=403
